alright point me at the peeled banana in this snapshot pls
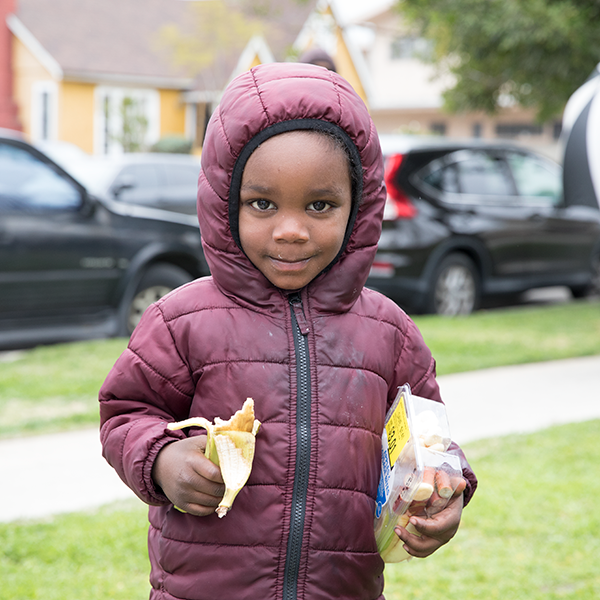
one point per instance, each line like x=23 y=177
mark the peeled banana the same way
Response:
x=230 y=445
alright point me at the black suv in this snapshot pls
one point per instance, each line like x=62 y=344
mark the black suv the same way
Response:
x=75 y=266
x=159 y=180
x=466 y=221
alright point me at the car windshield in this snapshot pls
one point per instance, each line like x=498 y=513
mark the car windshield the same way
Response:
x=28 y=183
x=95 y=174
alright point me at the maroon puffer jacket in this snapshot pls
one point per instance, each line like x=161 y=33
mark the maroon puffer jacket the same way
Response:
x=322 y=369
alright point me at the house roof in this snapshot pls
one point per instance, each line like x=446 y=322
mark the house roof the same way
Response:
x=123 y=40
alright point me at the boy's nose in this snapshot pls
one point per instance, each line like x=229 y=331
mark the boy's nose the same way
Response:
x=290 y=229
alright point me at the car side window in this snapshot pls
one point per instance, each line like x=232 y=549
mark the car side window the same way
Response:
x=470 y=177
x=484 y=175
x=28 y=184
x=135 y=183
x=537 y=181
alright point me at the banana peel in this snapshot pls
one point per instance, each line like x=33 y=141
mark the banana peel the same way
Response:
x=230 y=445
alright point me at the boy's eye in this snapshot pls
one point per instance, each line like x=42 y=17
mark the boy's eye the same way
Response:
x=319 y=206
x=262 y=204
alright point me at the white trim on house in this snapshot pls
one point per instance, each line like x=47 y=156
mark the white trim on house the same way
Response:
x=201 y=96
x=190 y=121
x=256 y=46
x=31 y=43
x=108 y=127
x=129 y=80
x=44 y=111
x=358 y=59
x=318 y=30
x=56 y=71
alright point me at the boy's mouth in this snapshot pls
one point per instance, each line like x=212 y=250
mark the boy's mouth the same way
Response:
x=285 y=264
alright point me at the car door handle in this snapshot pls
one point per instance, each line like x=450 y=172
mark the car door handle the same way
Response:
x=536 y=217
x=467 y=212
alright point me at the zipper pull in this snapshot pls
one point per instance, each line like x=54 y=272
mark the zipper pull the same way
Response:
x=296 y=305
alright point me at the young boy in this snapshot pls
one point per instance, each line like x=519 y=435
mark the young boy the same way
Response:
x=290 y=205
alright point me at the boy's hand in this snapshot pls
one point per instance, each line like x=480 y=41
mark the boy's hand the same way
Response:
x=433 y=532
x=188 y=479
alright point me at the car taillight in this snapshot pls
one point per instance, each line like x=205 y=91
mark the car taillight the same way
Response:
x=397 y=203
x=381 y=268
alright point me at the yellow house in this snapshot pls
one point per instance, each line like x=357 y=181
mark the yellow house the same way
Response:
x=79 y=66
x=117 y=76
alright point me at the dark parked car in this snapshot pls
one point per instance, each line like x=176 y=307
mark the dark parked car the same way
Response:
x=465 y=221
x=159 y=180
x=76 y=266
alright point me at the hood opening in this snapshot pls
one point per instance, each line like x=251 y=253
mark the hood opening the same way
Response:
x=326 y=127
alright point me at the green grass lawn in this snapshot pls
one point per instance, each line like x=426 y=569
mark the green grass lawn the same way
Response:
x=80 y=556
x=532 y=532
x=512 y=336
x=56 y=387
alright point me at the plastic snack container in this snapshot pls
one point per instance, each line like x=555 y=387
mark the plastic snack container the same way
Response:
x=418 y=475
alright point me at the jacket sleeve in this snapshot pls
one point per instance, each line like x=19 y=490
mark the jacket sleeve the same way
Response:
x=416 y=367
x=149 y=386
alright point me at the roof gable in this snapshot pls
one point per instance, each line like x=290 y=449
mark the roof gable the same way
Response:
x=123 y=40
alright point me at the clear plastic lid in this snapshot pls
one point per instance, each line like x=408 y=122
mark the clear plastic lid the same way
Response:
x=418 y=475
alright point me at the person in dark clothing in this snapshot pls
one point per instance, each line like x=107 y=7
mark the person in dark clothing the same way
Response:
x=318 y=56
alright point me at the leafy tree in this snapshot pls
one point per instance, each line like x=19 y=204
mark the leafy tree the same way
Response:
x=533 y=52
x=220 y=29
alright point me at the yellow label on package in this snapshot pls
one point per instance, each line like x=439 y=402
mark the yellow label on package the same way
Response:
x=398 y=432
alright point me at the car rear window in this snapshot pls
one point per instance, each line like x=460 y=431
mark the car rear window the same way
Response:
x=536 y=179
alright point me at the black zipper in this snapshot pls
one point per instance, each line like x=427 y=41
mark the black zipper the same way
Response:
x=303 y=449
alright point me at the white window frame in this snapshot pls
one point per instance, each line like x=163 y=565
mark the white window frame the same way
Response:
x=191 y=118
x=104 y=130
x=44 y=111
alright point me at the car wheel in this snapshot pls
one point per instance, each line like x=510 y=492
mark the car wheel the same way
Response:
x=454 y=287
x=595 y=284
x=593 y=288
x=157 y=281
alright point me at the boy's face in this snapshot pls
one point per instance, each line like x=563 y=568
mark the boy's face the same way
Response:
x=295 y=203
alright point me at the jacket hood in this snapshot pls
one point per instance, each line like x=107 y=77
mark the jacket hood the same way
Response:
x=265 y=101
